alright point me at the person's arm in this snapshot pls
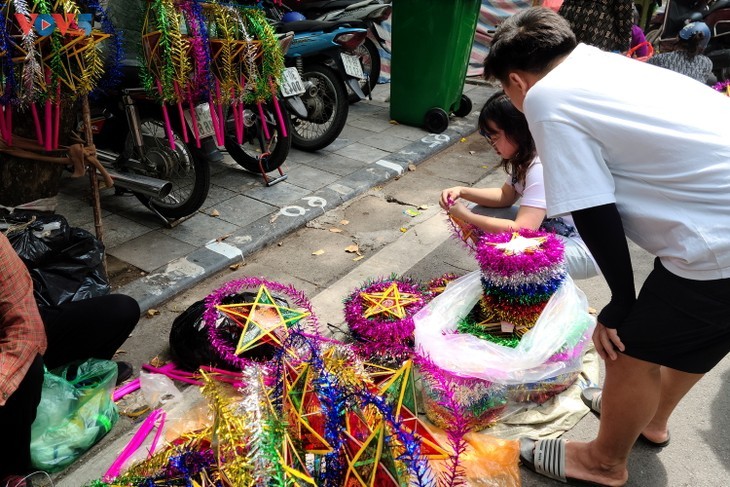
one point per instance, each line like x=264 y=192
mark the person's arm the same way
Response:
x=488 y=197
x=527 y=217
x=22 y=335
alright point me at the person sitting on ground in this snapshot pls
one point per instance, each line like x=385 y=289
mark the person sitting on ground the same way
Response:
x=506 y=130
x=687 y=58
x=625 y=162
x=91 y=328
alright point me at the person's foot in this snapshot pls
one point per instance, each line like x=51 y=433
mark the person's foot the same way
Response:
x=124 y=371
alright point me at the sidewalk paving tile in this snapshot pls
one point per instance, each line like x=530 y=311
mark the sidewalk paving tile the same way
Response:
x=386 y=142
x=151 y=250
x=280 y=194
x=242 y=210
x=336 y=164
x=310 y=178
x=362 y=152
x=117 y=230
x=200 y=229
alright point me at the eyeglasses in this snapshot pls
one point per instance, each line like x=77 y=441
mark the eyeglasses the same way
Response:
x=491 y=137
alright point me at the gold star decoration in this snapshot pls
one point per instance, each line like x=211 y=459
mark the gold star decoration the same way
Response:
x=263 y=321
x=520 y=245
x=388 y=302
x=467 y=232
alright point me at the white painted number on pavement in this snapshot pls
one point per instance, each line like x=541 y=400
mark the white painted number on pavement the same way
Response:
x=312 y=202
x=435 y=139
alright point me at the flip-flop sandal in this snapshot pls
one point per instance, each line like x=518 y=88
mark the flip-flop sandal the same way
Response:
x=547 y=457
x=591 y=397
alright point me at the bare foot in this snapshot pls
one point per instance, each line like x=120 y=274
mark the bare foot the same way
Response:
x=584 y=463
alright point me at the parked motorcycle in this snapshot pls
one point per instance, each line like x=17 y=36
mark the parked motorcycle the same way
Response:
x=171 y=178
x=372 y=13
x=323 y=54
x=675 y=14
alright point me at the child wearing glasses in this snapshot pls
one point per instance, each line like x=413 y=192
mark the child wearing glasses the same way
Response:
x=495 y=209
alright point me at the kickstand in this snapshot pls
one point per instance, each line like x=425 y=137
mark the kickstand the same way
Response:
x=169 y=223
x=267 y=180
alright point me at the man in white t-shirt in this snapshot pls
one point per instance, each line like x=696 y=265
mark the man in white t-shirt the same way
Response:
x=628 y=152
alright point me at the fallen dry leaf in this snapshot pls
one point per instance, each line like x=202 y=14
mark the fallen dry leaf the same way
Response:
x=234 y=267
x=359 y=257
x=318 y=252
x=273 y=218
x=393 y=122
x=157 y=362
x=485 y=167
x=423 y=207
x=353 y=249
x=336 y=230
x=152 y=312
x=280 y=244
x=215 y=213
x=223 y=237
x=344 y=222
x=411 y=167
x=463 y=139
x=403 y=229
x=472 y=152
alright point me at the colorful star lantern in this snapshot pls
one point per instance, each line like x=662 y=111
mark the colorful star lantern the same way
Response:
x=50 y=54
x=380 y=317
x=389 y=302
x=263 y=321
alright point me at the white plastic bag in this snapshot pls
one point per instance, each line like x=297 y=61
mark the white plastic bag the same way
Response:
x=551 y=348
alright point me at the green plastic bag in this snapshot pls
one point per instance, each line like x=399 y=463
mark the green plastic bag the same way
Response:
x=75 y=412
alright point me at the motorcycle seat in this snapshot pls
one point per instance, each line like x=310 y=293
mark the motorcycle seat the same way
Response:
x=315 y=26
x=718 y=6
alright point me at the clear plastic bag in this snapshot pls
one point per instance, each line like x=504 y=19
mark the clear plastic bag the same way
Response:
x=76 y=411
x=551 y=349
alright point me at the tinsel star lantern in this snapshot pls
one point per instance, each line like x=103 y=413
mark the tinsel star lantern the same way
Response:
x=380 y=318
x=250 y=319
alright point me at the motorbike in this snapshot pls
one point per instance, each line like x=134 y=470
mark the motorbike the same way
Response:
x=147 y=156
x=666 y=24
x=372 y=13
x=323 y=54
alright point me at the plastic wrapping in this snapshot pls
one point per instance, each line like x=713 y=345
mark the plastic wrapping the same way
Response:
x=76 y=411
x=552 y=348
x=66 y=263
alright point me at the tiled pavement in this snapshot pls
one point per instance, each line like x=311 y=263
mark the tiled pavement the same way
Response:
x=369 y=151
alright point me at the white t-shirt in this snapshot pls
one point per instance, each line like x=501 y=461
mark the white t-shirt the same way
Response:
x=532 y=193
x=610 y=129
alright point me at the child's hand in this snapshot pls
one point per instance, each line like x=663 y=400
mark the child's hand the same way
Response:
x=449 y=197
x=458 y=210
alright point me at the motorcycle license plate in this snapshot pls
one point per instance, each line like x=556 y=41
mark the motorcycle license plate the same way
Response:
x=204 y=120
x=291 y=83
x=352 y=66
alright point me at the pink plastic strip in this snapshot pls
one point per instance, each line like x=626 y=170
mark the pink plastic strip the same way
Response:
x=166 y=118
x=194 y=119
x=127 y=388
x=156 y=419
x=183 y=125
x=37 y=123
x=264 y=125
x=277 y=108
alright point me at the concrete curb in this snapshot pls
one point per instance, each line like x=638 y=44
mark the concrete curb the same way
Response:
x=181 y=274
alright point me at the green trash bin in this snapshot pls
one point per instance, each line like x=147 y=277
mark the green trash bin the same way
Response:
x=432 y=41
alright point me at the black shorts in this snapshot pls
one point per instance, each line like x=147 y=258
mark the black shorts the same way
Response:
x=680 y=323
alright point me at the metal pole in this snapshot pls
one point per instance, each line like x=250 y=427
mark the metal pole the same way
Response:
x=89 y=137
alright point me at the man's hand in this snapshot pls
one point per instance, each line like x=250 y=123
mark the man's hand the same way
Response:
x=607 y=342
x=449 y=197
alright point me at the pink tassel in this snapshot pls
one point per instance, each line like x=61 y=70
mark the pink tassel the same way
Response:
x=221 y=118
x=180 y=112
x=194 y=120
x=216 y=126
x=264 y=125
x=9 y=123
x=37 y=123
x=166 y=118
x=277 y=109
x=3 y=126
x=57 y=121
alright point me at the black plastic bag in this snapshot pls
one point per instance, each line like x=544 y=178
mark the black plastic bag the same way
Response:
x=66 y=263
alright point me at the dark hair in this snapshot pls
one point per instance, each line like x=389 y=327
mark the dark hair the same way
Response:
x=528 y=41
x=501 y=112
x=692 y=46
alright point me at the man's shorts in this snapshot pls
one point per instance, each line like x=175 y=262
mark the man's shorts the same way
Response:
x=680 y=323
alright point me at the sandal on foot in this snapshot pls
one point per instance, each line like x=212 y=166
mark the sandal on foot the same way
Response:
x=547 y=458
x=591 y=397
x=654 y=444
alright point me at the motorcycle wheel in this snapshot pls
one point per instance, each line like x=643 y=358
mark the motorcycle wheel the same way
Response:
x=247 y=154
x=327 y=110
x=370 y=59
x=190 y=176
